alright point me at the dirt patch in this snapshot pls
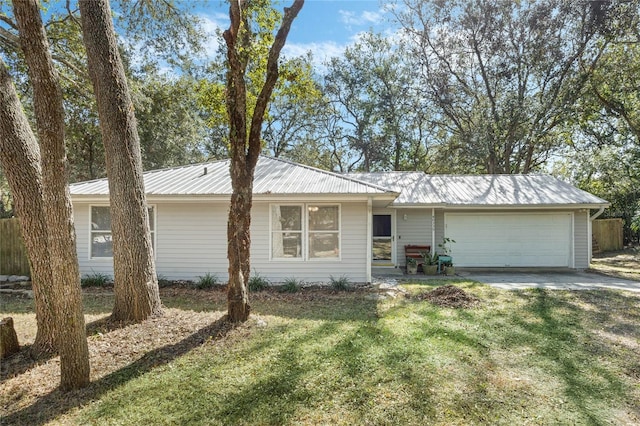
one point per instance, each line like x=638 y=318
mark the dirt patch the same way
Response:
x=622 y=264
x=115 y=349
x=449 y=296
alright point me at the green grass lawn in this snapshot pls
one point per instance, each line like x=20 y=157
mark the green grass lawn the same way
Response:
x=519 y=357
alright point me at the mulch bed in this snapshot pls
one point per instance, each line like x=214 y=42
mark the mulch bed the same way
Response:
x=449 y=296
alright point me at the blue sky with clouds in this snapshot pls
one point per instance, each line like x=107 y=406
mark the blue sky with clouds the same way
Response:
x=325 y=27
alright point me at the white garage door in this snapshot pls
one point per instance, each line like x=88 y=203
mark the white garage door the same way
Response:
x=510 y=240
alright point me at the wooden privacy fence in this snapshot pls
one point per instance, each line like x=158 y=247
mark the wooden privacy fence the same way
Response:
x=608 y=234
x=13 y=254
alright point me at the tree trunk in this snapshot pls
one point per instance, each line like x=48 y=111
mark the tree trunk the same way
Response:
x=245 y=147
x=20 y=160
x=238 y=249
x=135 y=283
x=47 y=100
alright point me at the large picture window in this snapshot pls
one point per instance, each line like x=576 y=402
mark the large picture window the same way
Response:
x=101 y=241
x=305 y=231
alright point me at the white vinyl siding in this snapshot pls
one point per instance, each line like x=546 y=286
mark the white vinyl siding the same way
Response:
x=192 y=241
x=413 y=226
x=581 y=239
x=510 y=239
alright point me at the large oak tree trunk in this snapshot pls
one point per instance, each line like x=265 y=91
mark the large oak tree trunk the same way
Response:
x=136 y=286
x=20 y=160
x=238 y=249
x=245 y=147
x=65 y=285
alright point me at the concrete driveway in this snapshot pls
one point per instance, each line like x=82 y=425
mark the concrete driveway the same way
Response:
x=557 y=280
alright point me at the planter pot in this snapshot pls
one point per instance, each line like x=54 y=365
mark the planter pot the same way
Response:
x=412 y=269
x=430 y=269
x=449 y=270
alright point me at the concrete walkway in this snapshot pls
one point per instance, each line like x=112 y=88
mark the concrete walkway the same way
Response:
x=557 y=280
x=515 y=280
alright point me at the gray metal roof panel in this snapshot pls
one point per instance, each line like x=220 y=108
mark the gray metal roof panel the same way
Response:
x=480 y=190
x=272 y=176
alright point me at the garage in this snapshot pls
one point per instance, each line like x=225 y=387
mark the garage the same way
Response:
x=510 y=240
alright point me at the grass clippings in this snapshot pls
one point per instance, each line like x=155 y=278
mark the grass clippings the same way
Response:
x=449 y=296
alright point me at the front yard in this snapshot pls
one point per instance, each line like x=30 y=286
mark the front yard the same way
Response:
x=323 y=357
x=624 y=263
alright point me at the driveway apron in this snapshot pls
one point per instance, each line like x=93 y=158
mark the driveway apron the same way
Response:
x=569 y=280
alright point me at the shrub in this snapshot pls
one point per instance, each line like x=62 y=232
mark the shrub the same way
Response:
x=340 y=284
x=95 y=279
x=163 y=281
x=291 y=285
x=207 y=280
x=257 y=282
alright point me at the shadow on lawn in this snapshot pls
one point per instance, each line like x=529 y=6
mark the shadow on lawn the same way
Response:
x=25 y=360
x=57 y=403
x=551 y=332
x=562 y=329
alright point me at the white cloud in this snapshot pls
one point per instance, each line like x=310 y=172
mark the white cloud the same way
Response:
x=372 y=17
x=211 y=24
x=367 y=17
x=322 y=52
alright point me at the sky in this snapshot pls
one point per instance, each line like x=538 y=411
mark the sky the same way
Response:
x=325 y=27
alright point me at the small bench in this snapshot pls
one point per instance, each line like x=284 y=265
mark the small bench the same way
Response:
x=415 y=251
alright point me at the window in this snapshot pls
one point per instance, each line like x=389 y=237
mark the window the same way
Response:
x=294 y=225
x=286 y=232
x=324 y=232
x=101 y=242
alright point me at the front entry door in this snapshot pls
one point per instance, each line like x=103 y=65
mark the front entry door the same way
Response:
x=383 y=240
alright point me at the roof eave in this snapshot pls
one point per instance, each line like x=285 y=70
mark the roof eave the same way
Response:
x=387 y=196
x=501 y=206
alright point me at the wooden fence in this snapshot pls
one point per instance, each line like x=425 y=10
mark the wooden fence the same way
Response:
x=13 y=254
x=608 y=234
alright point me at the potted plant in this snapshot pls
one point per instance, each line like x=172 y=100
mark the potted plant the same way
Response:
x=445 y=260
x=412 y=266
x=430 y=265
x=449 y=269
x=444 y=248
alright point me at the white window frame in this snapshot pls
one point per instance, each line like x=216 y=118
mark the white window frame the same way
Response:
x=338 y=232
x=272 y=231
x=305 y=257
x=91 y=231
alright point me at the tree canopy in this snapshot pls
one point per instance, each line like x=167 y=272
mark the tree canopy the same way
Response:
x=453 y=87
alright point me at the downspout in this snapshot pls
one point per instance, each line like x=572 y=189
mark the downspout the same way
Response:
x=590 y=236
x=369 y=240
x=433 y=230
x=598 y=213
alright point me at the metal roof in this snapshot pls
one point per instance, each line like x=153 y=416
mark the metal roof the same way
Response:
x=281 y=177
x=272 y=176
x=417 y=188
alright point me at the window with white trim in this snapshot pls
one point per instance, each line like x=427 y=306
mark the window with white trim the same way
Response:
x=309 y=231
x=100 y=239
